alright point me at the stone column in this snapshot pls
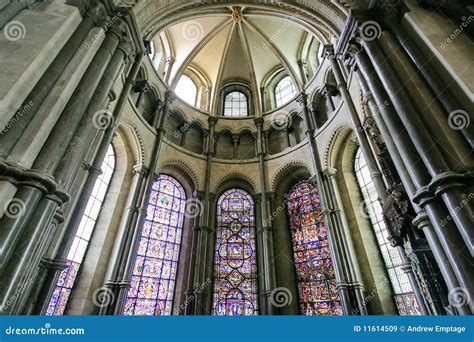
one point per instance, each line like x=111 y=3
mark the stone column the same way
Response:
x=62 y=148
x=112 y=277
x=131 y=252
x=445 y=183
x=430 y=75
x=11 y=10
x=414 y=175
x=303 y=64
x=235 y=143
x=204 y=229
x=266 y=229
x=358 y=129
x=330 y=102
x=347 y=258
x=141 y=88
x=193 y=290
x=67 y=63
x=345 y=299
x=364 y=144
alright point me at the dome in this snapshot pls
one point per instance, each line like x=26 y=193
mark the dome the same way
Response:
x=243 y=47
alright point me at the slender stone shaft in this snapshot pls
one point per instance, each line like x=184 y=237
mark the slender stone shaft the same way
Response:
x=343 y=291
x=204 y=241
x=161 y=122
x=267 y=234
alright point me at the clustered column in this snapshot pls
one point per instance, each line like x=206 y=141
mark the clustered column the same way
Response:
x=433 y=183
x=49 y=168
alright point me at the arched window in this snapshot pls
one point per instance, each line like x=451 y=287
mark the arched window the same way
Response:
x=404 y=296
x=235 y=264
x=285 y=91
x=187 y=90
x=236 y=104
x=65 y=283
x=314 y=270
x=154 y=273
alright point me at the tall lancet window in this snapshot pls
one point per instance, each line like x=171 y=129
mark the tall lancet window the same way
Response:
x=62 y=291
x=314 y=270
x=235 y=263
x=404 y=296
x=154 y=273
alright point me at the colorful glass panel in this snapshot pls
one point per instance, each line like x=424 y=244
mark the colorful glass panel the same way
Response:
x=404 y=296
x=65 y=283
x=314 y=269
x=154 y=273
x=235 y=264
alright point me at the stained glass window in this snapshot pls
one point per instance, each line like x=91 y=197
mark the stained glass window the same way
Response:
x=235 y=265
x=154 y=273
x=187 y=90
x=236 y=104
x=404 y=296
x=62 y=291
x=285 y=91
x=314 y=270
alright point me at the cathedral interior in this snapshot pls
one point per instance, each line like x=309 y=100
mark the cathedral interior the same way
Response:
x=236 y=158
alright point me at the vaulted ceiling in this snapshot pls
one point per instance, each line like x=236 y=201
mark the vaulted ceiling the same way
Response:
x=236 y=43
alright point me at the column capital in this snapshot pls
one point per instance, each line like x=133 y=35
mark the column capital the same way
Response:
x=140 y=169
x=258 y=121
x=212 y=120
x=330 y=172
x=170 y=96
x=302 y=99
x=328 y=51
x=53 y=264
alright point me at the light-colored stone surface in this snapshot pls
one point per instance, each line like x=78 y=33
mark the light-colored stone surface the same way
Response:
x=24 y=60
x=37 y=132
x=449 y=44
